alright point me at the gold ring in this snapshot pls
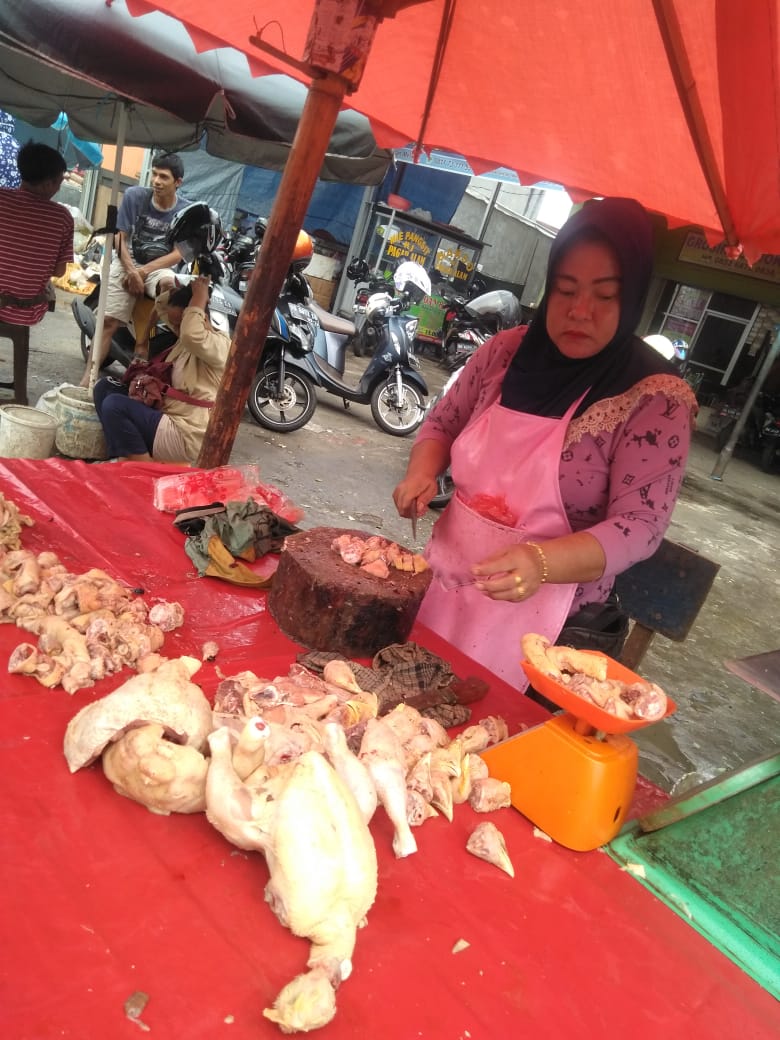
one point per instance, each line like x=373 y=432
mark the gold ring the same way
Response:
x=519 y=583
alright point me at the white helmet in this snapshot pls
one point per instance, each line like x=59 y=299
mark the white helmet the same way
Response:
x=410 y=274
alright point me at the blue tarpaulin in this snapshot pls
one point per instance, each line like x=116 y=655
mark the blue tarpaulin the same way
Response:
x=76 y=152
x=229 y=186
x=434 y=190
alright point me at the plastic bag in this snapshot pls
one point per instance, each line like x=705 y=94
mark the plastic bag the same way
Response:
x=223 y=484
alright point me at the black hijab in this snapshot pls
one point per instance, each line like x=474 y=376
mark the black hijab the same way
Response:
x=543 y=381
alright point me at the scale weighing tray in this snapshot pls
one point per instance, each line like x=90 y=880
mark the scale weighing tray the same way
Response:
x=713 y=860
x=573 y=776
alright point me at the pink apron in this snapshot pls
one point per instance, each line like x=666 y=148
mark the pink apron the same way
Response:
x=516 y=456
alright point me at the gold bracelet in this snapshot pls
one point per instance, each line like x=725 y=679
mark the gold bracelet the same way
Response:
x=542 y=559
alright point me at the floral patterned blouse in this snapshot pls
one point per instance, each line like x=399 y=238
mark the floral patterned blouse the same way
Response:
x=9 y=149
x=622 y=462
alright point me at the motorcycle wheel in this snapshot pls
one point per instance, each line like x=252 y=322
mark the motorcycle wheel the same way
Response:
x=768 y=453
x=85 y=341
x=446 y=488
x=392 y=416
x=282 y=409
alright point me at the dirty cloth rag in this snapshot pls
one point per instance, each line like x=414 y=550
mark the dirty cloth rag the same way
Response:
x=246 y=529
x=403 y=673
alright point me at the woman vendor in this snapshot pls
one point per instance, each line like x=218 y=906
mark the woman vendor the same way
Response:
x=174 y=433
x=567 y=441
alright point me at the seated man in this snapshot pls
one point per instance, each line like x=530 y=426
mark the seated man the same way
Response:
x=143 y=262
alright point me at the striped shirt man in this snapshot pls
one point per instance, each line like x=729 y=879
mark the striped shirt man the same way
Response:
x=36 y=238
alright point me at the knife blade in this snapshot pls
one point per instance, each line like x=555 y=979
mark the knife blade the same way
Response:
x=414 y=519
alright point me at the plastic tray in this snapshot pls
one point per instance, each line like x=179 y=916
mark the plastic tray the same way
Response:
x=587 y=710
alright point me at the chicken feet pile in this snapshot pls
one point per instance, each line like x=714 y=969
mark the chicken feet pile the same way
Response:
x=87 y=626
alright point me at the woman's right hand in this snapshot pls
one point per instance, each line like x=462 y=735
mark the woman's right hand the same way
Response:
x=414 y=492
x=428 y=458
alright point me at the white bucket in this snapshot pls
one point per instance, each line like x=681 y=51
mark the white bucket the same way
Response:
x=26 y=433
x=79 y=434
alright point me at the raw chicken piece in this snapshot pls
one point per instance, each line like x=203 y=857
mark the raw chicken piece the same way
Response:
x=419 y=777
x=163 y=776
x=320 y=854
x=477 y=767
x=236 y=811
x=487 y=842
x=209 y=650
x=566 y=659
x=417 y=809
x=165 y=695
x=535 y=649
x=249 y=752
x=404 y=721
x=461 y=784
x=167 y=616
x=441 y=798
x=489 y=794
x=474 y=738
x=496 y=727
x=448 y=760
x=351 y=770
x=376 y=567
x=308 y=1002
x=340 y=674
x=382 y=754
x=323 y=865
x=435 y=731
x=646 y=700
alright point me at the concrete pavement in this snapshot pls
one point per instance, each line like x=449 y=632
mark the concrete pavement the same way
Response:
x=341 y=469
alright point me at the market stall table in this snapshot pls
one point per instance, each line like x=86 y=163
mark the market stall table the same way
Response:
x=103 y=899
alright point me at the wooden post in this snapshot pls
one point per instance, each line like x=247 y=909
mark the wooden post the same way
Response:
x=295 y=190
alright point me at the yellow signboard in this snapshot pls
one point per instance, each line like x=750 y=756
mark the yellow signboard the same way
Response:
x=696 y=251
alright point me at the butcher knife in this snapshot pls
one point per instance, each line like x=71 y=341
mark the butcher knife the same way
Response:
x=414 y=519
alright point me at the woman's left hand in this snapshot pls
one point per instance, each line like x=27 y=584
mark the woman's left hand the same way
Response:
x=513 y=574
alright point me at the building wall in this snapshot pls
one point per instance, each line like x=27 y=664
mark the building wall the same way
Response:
x=516 y=250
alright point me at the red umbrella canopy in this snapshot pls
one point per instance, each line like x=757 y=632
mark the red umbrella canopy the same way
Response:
x=673 y=102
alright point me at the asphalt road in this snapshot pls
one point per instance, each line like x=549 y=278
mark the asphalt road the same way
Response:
x=341 y=470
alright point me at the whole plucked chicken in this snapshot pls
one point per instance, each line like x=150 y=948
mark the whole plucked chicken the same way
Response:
x=322 y=863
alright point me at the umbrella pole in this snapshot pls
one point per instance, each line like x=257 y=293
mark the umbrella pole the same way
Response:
x=108 y=248
x=309 y=147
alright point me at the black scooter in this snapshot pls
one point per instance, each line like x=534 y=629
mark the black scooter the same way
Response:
x=306 y=348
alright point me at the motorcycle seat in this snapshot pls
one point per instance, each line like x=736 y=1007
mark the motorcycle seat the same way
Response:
x=330 y=322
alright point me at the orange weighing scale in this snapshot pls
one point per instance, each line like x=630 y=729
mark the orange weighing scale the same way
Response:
x=574 y=775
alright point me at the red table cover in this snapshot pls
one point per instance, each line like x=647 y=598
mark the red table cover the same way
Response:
x=101 y=898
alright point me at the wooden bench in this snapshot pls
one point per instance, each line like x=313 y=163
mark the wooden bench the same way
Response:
x=663 y=595
x=20 y=337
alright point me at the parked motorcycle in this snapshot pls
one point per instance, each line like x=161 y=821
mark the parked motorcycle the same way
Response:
x=241 y=252
x=769 y=442
x=306 y=348
x=468 y=323
x=728 y=412
x=370 y=289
